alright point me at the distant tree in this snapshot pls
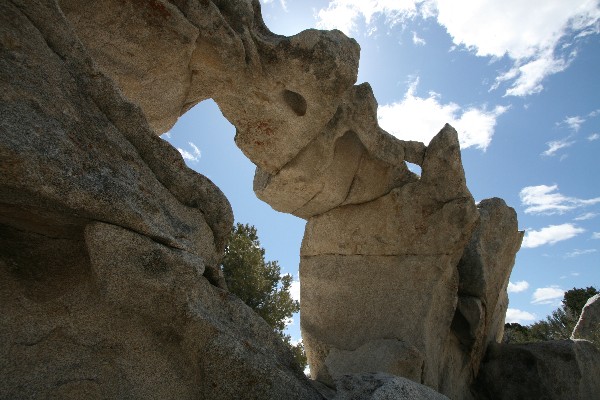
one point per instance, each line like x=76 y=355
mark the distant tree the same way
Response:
x=575 y=299
x=259 y=283
x=515 y=333
x=558 y=325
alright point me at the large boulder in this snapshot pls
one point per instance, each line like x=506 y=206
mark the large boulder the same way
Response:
x=111 y=245
x=484 y=271
x=107 y=242
x=382 y=387
x=369 y=283
x=588 y=326
x=554 y=370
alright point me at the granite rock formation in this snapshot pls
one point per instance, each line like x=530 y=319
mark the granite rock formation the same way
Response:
x=111 y=245
x=588 y=326
x=108 y=242
x=555 y=370
x=321 y=155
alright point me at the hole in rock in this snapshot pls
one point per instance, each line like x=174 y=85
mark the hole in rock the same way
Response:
x=414 y=168
x=205 y=138
x=296 y=102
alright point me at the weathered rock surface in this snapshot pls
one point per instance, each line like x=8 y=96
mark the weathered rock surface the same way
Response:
x=484 y=271
x=555 y=370
x=368 y=284
x=278 y=91
x=382 y=387
x=106 y=238
x=588 y=326
x=110 y=245
x=378 y=236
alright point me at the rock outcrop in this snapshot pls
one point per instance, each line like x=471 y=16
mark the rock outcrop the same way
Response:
x=110 y=283
x=378 y=237
x=382 y=387
x=588 y=326
x=555 y=370
x=106 y=238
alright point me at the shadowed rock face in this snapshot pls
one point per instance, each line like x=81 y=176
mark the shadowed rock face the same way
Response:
x=555 y=370
x=110 y=244
x=107 y=241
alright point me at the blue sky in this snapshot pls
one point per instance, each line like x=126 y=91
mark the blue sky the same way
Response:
x=518 y=80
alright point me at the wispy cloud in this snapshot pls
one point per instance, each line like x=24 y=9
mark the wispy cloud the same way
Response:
x=596 y=235
x=518 y=287
x=578 y=252
x=417 y=41
x=547 y=295
x=586 y=216
x=543 y=199
x=593 y=136
x=514 y=315
x=193 y=155
x=421 y=118
x=556 y=145
x=530 y=36
x=574 y=122
x=345 y=14
x=550 y=235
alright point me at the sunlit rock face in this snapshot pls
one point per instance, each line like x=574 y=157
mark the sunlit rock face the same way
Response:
x=111 y=245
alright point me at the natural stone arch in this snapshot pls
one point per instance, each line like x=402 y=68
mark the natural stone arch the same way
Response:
x=319 y=154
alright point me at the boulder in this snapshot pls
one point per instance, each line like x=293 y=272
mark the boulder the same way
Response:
x=106 y=241
x=588 y=326
x=484 y=270
x=111 y=246
x=368 y=283
x=554 y=370
x=382 y=387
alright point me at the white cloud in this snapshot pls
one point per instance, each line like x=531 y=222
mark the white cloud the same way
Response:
x=545 y=199
x=418 y=118
x=517 y=287
x=550 y=235
x=596 y=235
x=528 y=76
x=529 y=33
x=344 y=14
x=194 y=155
x=578 y=252
x=574 y=122
x=514 y=315
x=295 y=290
x=547 y=295
x=556 y=145
x=417 y=41
x=586 y=216
x=593 y=136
